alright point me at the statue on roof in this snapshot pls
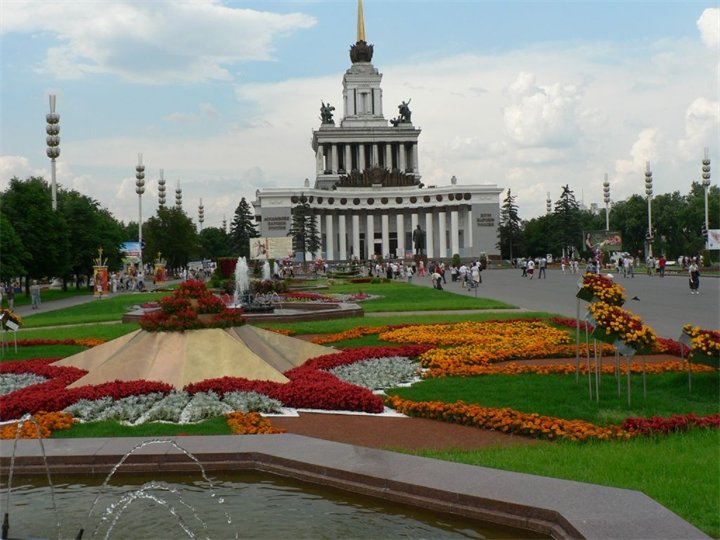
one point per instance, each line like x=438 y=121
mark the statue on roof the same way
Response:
x=326 y=113
x=404 y=110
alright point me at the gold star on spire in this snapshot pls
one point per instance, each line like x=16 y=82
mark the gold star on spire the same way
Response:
x=360 y=23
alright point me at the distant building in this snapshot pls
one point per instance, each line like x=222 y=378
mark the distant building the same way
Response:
x=367 y=194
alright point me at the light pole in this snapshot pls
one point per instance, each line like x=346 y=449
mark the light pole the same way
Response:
x=606 y=198
x=53 y=145
x=178 y=197
x=140 y=189
x=161 y=189
x=548 y=204
x=201 y=214
x=706 y=186
x=649 y=192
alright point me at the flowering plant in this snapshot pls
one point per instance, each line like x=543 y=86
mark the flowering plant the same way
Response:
x=602 y=287
x=704 y=344
x=192 y=288
x=10 y=315
x=210 y=304
x=617 y=323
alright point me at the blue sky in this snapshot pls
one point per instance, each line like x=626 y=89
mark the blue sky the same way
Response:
x=223 y=95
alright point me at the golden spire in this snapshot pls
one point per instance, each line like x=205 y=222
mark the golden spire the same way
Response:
x=360 y=23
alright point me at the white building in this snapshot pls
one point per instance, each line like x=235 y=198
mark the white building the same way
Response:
x=367 y=194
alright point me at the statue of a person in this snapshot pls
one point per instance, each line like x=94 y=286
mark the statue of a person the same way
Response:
x=404 y=110
x=418 y=238
x=326 y=115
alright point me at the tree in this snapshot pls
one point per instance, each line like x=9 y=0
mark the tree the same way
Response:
x=568 y=228
x=43 y=232
x=509 y=229
x=14 y=256
x=630 y=217
x=172 y=233
x=538 y=235
x=303 y=229
x=243 y=229
x=214 y=243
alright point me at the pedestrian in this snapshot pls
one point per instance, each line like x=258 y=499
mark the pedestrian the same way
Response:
x=35 y=294
x=524 y=264
x=543 y=266
x=662 y=262
x=650 y=265
x=10 y=294
x=530 y=268
x=437 y=280
x=694 y=277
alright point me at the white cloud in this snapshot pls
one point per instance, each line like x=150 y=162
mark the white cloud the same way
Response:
x=709 y=26
x=702 y=125
x=155 y=42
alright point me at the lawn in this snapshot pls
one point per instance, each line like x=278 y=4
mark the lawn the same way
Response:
x=679 y=471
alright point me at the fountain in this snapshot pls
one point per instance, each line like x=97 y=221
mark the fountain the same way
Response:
x=266 y=271
x=242 y=281
x=242 y=298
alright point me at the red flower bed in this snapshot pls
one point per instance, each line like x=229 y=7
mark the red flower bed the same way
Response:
x=676 y=423
x=85 y=342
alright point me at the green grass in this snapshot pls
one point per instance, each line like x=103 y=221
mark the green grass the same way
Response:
x=109 y=309
x=399 y=296
x=679 y=471
x=41 y=351
x=111 y=428
x=99 y=331
x=560 y=396
x=50 y=295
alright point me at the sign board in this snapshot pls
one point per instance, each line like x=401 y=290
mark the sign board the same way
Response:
x=604 y=240
x=713 y=239
x=12 y=325
x=269 y=247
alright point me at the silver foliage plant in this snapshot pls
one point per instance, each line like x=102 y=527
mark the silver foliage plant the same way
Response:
x=176 y=407
x=9 y=382
x=379 y=373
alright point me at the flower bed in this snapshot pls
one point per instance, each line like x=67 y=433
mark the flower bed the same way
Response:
x=602 y=288
x=250 y=424
x=704 y=345
x=42 y=424
x=613 y=323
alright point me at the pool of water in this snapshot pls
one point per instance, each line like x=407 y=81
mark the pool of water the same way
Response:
x=245 y=505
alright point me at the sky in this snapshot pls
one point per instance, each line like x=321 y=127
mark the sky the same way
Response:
x=224 y=95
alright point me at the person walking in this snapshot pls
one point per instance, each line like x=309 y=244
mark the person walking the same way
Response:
x=543 y=266
x=35 y=294
x=10 y=294
x=694 y=277
x=530 y=270
x=662 y=262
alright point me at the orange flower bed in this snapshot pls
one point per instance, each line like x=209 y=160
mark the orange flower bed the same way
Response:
x=616 y=321
x=250 y=424
x=507 y=420
x=47 y=422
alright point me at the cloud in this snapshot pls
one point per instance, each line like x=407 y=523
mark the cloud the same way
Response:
x=702 y=124
x=709 y=26
x=155 y=42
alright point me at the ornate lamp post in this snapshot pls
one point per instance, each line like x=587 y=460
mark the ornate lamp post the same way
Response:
x=178 y=196
x=706 y=186
x=201 y=214
x=53 y=145
x=161 y=189
x=548 y=204
x=606 y=199
x=140 y=189
x=649 y=192
x=224 y=223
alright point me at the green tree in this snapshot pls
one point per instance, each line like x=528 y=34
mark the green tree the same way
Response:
x=172 y=233
x=568 y=226
x=510 y=228
x=42 y=231
x=630 y=218
x=243 y=229
x=303 y=229
x=214 y=243
x=538 y=235
x=12 y=252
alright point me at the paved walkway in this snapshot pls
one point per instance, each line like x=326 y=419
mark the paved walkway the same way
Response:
x=663 y=303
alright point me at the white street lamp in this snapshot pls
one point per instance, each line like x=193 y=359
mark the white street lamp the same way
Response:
x=649 y=192
x=53 y=145
x=706 y=186
x=140 y=189
x=606 y=198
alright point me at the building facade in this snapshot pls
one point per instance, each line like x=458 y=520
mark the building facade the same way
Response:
x=367 y=196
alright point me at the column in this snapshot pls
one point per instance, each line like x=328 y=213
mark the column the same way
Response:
x=348 y=159
x=454 y=232
x=330 y=237
x=343 y=237
x=318 y=223
x=388 y=156
x=356 y=235
x=375 y=157
x=442 y=234
x=416 y=167
x=319 y=167
x=429 y=247
x=361 y=157
x=385 y=228
x=400 y=227
x=369 y=236
x=469 y=233
x=402 y=162
x=334 y=156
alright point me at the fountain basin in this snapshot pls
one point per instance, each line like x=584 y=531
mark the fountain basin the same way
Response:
x=558 y=508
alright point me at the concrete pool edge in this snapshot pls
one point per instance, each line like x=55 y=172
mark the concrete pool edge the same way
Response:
x=560 y=508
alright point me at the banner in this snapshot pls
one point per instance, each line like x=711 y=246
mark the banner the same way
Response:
x=604 y=240
x=713 y=239
x=130 y=249
x=268 y=247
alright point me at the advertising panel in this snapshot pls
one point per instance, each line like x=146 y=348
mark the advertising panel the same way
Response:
x=604 y=240
x=268 y=247
x=713 y=239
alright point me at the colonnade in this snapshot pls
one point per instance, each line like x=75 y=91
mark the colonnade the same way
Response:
x=364 y=233
x=336 y=158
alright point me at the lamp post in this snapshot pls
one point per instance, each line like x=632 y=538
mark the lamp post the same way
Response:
x=706 y=186
x=140 y=189
x=161 y=189
x=606 y=198
x=548 y=204
x=649 y=192
x=201 y=214
x=53 y=145
x=178 y=197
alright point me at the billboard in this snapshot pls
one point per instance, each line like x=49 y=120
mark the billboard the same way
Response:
x=130 y=249
x=268 y=247
x=713 y=239
x=604 y=240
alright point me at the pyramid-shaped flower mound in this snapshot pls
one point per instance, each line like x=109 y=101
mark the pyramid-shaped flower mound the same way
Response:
x=191 y=307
